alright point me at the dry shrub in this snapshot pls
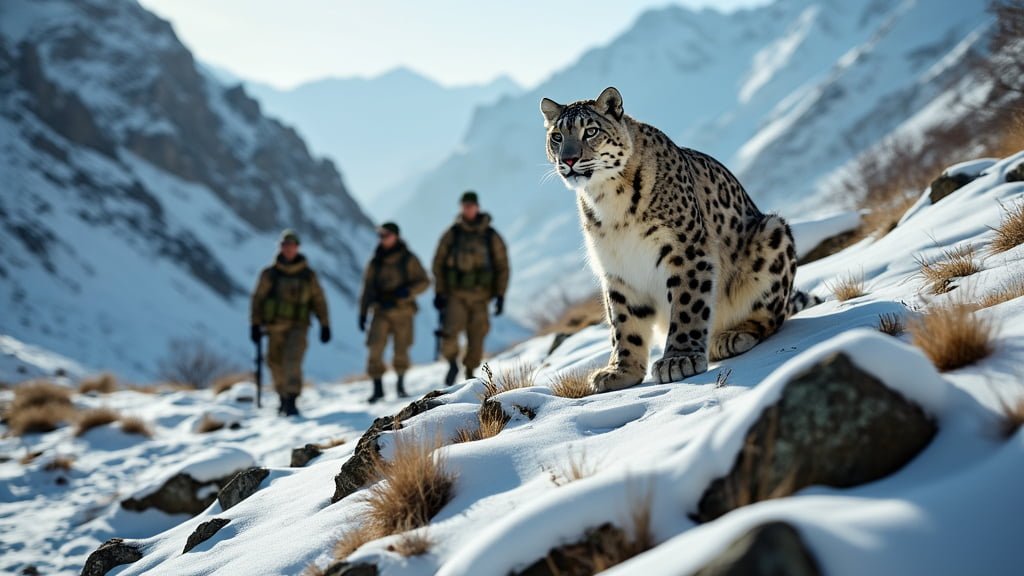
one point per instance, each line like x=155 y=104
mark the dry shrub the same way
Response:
x=30 y=457
x=94 y=418
x=330 y=443
x=208 y=424
x=192 y=363
x=891 y=324
x=60 y=464
x=519 y=375
x=105 y=383
x=722 y=379
x=38 y=407
x=603 y=547
x=412 y=488
x=847 y=287
x=956 y=263
x=226 y=382
x=416 y=543
x=1010 y=232
x=572 y=383
x=491 y=420
x=953 y=336
x=135 y=425
x=1009 y=290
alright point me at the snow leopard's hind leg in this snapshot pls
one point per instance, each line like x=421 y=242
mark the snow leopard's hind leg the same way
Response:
x=759 y=296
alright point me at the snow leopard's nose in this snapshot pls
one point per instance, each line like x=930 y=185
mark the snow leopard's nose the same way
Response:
x=570 y=161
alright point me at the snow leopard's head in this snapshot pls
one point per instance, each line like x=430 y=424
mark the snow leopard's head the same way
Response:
x=587 y=140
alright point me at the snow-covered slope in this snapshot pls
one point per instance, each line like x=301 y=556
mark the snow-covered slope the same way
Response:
x=383 y=131
x=141 y=197
x=783 y=94
x=952 y=510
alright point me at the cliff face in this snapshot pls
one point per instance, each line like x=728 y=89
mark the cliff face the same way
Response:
x=140 y=195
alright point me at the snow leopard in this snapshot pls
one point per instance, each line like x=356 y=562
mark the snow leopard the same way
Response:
x=678 y=246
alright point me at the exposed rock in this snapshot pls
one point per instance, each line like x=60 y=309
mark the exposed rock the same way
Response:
x=302 y=456
x=243 y=485
x=349 y=569
x=772 y=549
x=204 y=532
x=181 y=494
x=600 y=548
x=946 y=184
x=356 y=470
x=113 y=552
x=1016 y=174
x=835 y=425
x=828 y=247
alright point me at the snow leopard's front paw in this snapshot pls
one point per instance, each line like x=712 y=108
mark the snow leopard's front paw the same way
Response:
x=675 y=368
x=615 y=378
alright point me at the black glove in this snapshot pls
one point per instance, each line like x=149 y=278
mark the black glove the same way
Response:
x=499 y=305
x=362 y=322
x=402 y=292
x=255 y=333
x=325 y=334
x=440 y=301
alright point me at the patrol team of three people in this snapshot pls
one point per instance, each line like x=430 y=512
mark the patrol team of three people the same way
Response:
x=470 y=270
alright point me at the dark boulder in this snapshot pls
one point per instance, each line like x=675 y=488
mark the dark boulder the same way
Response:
x=358 y=469
x=835 y=425
x=946 y=184
x=113 y=552
x=1016 y=174
x=204 y=532
x=302 y=456
x=243 y=485
x=181 y=494
x=350 y=569
x=772 y=549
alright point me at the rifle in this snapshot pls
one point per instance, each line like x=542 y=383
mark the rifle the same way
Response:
x=439 y=334
x=259 y=371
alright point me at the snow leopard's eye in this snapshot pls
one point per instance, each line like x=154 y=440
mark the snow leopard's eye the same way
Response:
x=590 y=132
x=556 y=137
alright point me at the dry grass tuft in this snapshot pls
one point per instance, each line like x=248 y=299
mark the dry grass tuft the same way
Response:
x=956 y=263
x=94 y=418
x=415 y=543
x=891 y=324
x=226 y=382
x=953 y=336
x=60 y=464
x=1010 y=232
x=30 y=457
x=1010 y=290
x=848 y=287
x=519 y=375
x=572 y=383
x=38 y=407
x=1013 y=417
x=566 y=315
x=576 y=467
x=136 y=425
x=208 y=424
x=722 y=380
x=313 y=570
x=412 y=489
x=491 y=420
x=331 y=443
x=100 y=384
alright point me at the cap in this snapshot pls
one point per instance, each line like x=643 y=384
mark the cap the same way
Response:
x=390 y=227
x=289 y=235
x=469 y=197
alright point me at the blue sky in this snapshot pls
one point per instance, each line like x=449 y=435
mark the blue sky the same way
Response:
x=453 y=41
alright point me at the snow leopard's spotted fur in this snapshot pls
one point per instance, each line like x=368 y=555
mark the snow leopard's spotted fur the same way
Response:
x=675 y=240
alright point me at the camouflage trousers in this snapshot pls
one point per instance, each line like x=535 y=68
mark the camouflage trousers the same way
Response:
x=466 y=313
x=285 y=350
x=396 y=324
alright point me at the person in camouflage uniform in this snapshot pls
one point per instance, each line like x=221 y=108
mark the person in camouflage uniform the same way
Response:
x=286 y=294
x=393 y=278
x=470 y=269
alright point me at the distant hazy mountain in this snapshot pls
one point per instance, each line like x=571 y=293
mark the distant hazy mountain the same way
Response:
x=140 y=197
x=384 y=130
x=784 y=94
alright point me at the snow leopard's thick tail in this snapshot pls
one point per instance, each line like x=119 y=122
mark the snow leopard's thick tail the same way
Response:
x=800 y=300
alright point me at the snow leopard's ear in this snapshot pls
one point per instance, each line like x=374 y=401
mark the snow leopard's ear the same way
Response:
x=610 y=103
x=550 y=109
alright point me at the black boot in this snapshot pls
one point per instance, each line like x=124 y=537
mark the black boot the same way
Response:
x=282 y=400
x=469 y=374
x=400 y=386
x=288 y=405
x=378 y=391
x=453 y=372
